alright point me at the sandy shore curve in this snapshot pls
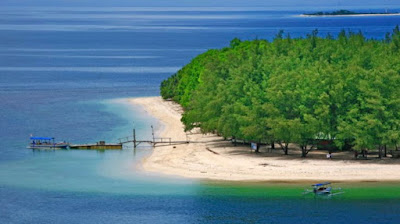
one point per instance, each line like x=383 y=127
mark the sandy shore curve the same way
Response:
x=210 y=157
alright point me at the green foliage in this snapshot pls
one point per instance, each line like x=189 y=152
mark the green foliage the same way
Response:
x=295 y=90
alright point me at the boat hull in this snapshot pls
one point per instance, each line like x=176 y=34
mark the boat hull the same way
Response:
x=325 y=191
x=48 y=146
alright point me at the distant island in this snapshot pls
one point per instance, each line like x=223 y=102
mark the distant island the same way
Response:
x=344 y=12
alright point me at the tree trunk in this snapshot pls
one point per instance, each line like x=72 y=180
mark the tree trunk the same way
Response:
x=303 y=151
x=284 y=147
x=272 y=145
x=380 y=152
x=258 y=148
x=385 y=151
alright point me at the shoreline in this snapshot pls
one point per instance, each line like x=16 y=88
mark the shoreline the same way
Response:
x=210 y=158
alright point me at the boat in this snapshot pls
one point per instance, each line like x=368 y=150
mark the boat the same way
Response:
x=46 y=143
x=323 y=188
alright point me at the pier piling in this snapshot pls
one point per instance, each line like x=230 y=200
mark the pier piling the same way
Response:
x=152 y=142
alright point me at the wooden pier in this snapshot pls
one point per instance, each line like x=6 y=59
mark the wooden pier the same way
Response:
x=101 y=145
x=153 y=142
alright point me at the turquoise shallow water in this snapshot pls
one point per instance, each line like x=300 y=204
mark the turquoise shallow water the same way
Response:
x=64 y=73
x=113 y=171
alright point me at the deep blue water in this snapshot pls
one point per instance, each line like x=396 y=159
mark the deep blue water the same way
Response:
x=60 y=207
x=65 y=71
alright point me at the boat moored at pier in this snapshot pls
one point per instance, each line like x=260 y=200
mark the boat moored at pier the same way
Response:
x=46 y=143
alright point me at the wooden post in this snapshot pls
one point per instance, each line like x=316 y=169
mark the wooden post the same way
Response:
x=134 y=138
x=152 y=133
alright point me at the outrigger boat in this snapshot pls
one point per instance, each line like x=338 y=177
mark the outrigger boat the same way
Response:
x=46 y=143
x=324 y=188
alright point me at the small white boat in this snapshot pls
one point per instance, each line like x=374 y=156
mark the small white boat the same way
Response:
x=46 y=143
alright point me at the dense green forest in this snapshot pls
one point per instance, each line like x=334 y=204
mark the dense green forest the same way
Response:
x=295 y=90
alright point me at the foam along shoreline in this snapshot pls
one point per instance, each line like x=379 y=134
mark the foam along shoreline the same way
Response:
x=353 y=15
x=211 y=158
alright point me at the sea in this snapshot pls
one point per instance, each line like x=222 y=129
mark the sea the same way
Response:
x=66 y=72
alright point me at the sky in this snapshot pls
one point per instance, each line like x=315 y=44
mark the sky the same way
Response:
x=204 y=3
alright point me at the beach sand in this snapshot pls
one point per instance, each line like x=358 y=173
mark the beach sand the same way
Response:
x=210 y=157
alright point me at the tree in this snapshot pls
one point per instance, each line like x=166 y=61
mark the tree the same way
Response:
x=295 y=90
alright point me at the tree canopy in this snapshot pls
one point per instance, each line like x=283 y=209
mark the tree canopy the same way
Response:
x=295 y=90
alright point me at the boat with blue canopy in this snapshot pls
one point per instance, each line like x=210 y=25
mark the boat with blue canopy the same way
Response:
x=46 y=143
x=323 y=188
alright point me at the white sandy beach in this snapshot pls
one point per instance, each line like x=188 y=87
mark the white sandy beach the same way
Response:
x=214 y=159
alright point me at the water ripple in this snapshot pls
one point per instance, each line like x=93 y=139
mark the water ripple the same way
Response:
x=94 y=69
